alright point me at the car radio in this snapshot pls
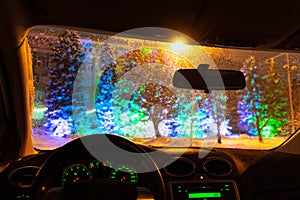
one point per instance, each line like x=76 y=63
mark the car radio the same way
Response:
x=188 y=190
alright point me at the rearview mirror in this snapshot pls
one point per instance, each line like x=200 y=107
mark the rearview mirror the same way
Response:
x=209 y=79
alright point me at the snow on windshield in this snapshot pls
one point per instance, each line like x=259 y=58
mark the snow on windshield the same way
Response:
x=87 y=83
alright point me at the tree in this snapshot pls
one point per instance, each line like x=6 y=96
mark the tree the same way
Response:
x=262 y=103
x=67 y=57
x=144 y=96
x=296 y=102
x=156 y=101
x=83 y=96
x=210 y=115
x=232 y=110
x=203 y=120
x=173 y=127
x=218 y=112
x=107 y=82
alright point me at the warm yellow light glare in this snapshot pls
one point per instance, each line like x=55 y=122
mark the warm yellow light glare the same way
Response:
x=178 y=46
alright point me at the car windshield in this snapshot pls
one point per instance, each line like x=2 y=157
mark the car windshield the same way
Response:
x=89 y=82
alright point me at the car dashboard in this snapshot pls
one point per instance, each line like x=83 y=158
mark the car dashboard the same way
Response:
x=193 y=173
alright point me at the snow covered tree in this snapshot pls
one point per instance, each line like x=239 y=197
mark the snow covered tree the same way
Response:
x=104 y=99
x=210 y=116
x=218 y=111
x=232 y=111
x=156 y=101
x=173 y=127
x=67 y=57
x=103 y=103
x=276 y=96
x=250 y=99
x=83 y=98
x=202 y=117
x=126 y=86
x=262 y=102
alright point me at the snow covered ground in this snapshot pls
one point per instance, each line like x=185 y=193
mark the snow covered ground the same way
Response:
x=242 y=142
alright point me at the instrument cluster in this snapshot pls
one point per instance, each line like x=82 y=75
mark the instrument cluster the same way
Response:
x=93 y=169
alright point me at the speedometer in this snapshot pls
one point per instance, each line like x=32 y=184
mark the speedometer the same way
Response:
x=124 y=173
x=75 y=173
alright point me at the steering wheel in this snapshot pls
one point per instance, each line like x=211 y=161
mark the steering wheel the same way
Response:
x=96 y=145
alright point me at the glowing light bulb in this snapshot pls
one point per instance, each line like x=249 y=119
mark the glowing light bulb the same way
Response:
x=178 y=46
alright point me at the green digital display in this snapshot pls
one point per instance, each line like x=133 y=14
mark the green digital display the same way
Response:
x=204 y=190
x=204 y=195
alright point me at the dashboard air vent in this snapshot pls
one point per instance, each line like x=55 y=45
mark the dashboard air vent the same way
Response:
x=24 y=176
x=217 y=167
x=180 y=167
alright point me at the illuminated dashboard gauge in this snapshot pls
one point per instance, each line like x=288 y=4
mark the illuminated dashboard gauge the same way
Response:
x=95 y=164
x=76 y=173
x=124 y=173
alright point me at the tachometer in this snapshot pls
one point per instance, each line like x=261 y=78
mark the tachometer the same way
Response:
x=124 y=173
x=75 y=173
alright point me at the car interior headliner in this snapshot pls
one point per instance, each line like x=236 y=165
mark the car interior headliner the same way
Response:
x=255 y=24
